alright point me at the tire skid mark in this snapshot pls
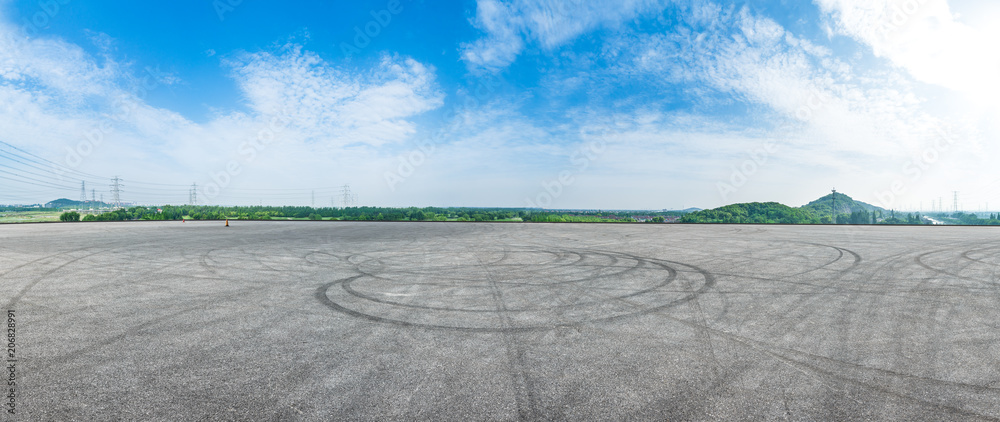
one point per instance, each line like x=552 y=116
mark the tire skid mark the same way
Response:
x=321 y=294
x=833 y=283
x=919 y=259
x=42 y=277
x=430 y=271
x=38 y=279
x=49 y=362
x=980 y=260
x=35 y=261
x=769 y=350
x=524 y=391
x=494 y=284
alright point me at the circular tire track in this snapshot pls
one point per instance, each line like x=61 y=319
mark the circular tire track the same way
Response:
x=921 y=260
x=525 y=289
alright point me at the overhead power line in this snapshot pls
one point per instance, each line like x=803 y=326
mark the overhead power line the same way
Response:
x=21 y=169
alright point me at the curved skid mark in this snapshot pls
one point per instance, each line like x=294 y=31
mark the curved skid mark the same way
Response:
x=857 y=258
x=919 y=259
x=324 y=299
x=822 y=288
x=663 y=265
x=979 y=260
x=17 y=297
x=35 y=261
x=346 y=285
x=770 y=350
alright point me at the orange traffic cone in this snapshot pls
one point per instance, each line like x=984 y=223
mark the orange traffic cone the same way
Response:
x=227 y=222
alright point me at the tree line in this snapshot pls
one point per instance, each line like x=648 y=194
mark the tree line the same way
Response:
x=968 y=219
x=170 y=212
x=775 y=213
x=748 y=213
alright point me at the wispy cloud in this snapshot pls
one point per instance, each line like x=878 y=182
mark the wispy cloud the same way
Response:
x=332 y=106
x=826 y=111
x=679 y=92
x=509 y=26
x=54 y=95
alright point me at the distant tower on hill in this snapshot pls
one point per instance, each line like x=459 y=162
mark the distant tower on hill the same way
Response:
x=833 y=208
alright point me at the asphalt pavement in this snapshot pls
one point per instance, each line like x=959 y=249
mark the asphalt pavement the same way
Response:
x=478 y=321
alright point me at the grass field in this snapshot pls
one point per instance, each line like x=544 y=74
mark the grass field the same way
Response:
x=29 y=216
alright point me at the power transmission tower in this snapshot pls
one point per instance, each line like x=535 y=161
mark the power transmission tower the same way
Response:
x=346 y=197
x=116 y=189
x=83 y=191
x=193 y=194
x=93 y=195
x=956 y=200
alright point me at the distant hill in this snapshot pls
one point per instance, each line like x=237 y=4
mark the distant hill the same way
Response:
x=753 y=213
x=845 y=205
x=62 y=202
x=815 y=212
x=67 y=203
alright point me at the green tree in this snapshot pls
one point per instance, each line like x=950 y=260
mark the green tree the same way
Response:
x=70 y=216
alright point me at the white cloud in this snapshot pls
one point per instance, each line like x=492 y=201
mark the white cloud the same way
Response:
x=333 y=106
x=56 y=98
x=863 y=122
x=58 y=67
x=858 y=122
x=503 y=41
x=853 y=125
x=927 y=39
x=511 y=25
x=757 y=61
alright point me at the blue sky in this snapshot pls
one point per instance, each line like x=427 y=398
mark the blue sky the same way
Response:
x=572 y=104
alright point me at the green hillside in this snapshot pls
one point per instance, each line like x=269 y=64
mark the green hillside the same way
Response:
x=845 y=205
x=849 y=211
x=69 y=203
x=62 y=202
x=754 y=212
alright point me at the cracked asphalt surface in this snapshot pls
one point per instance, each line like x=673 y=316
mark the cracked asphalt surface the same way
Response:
x=453 y=321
